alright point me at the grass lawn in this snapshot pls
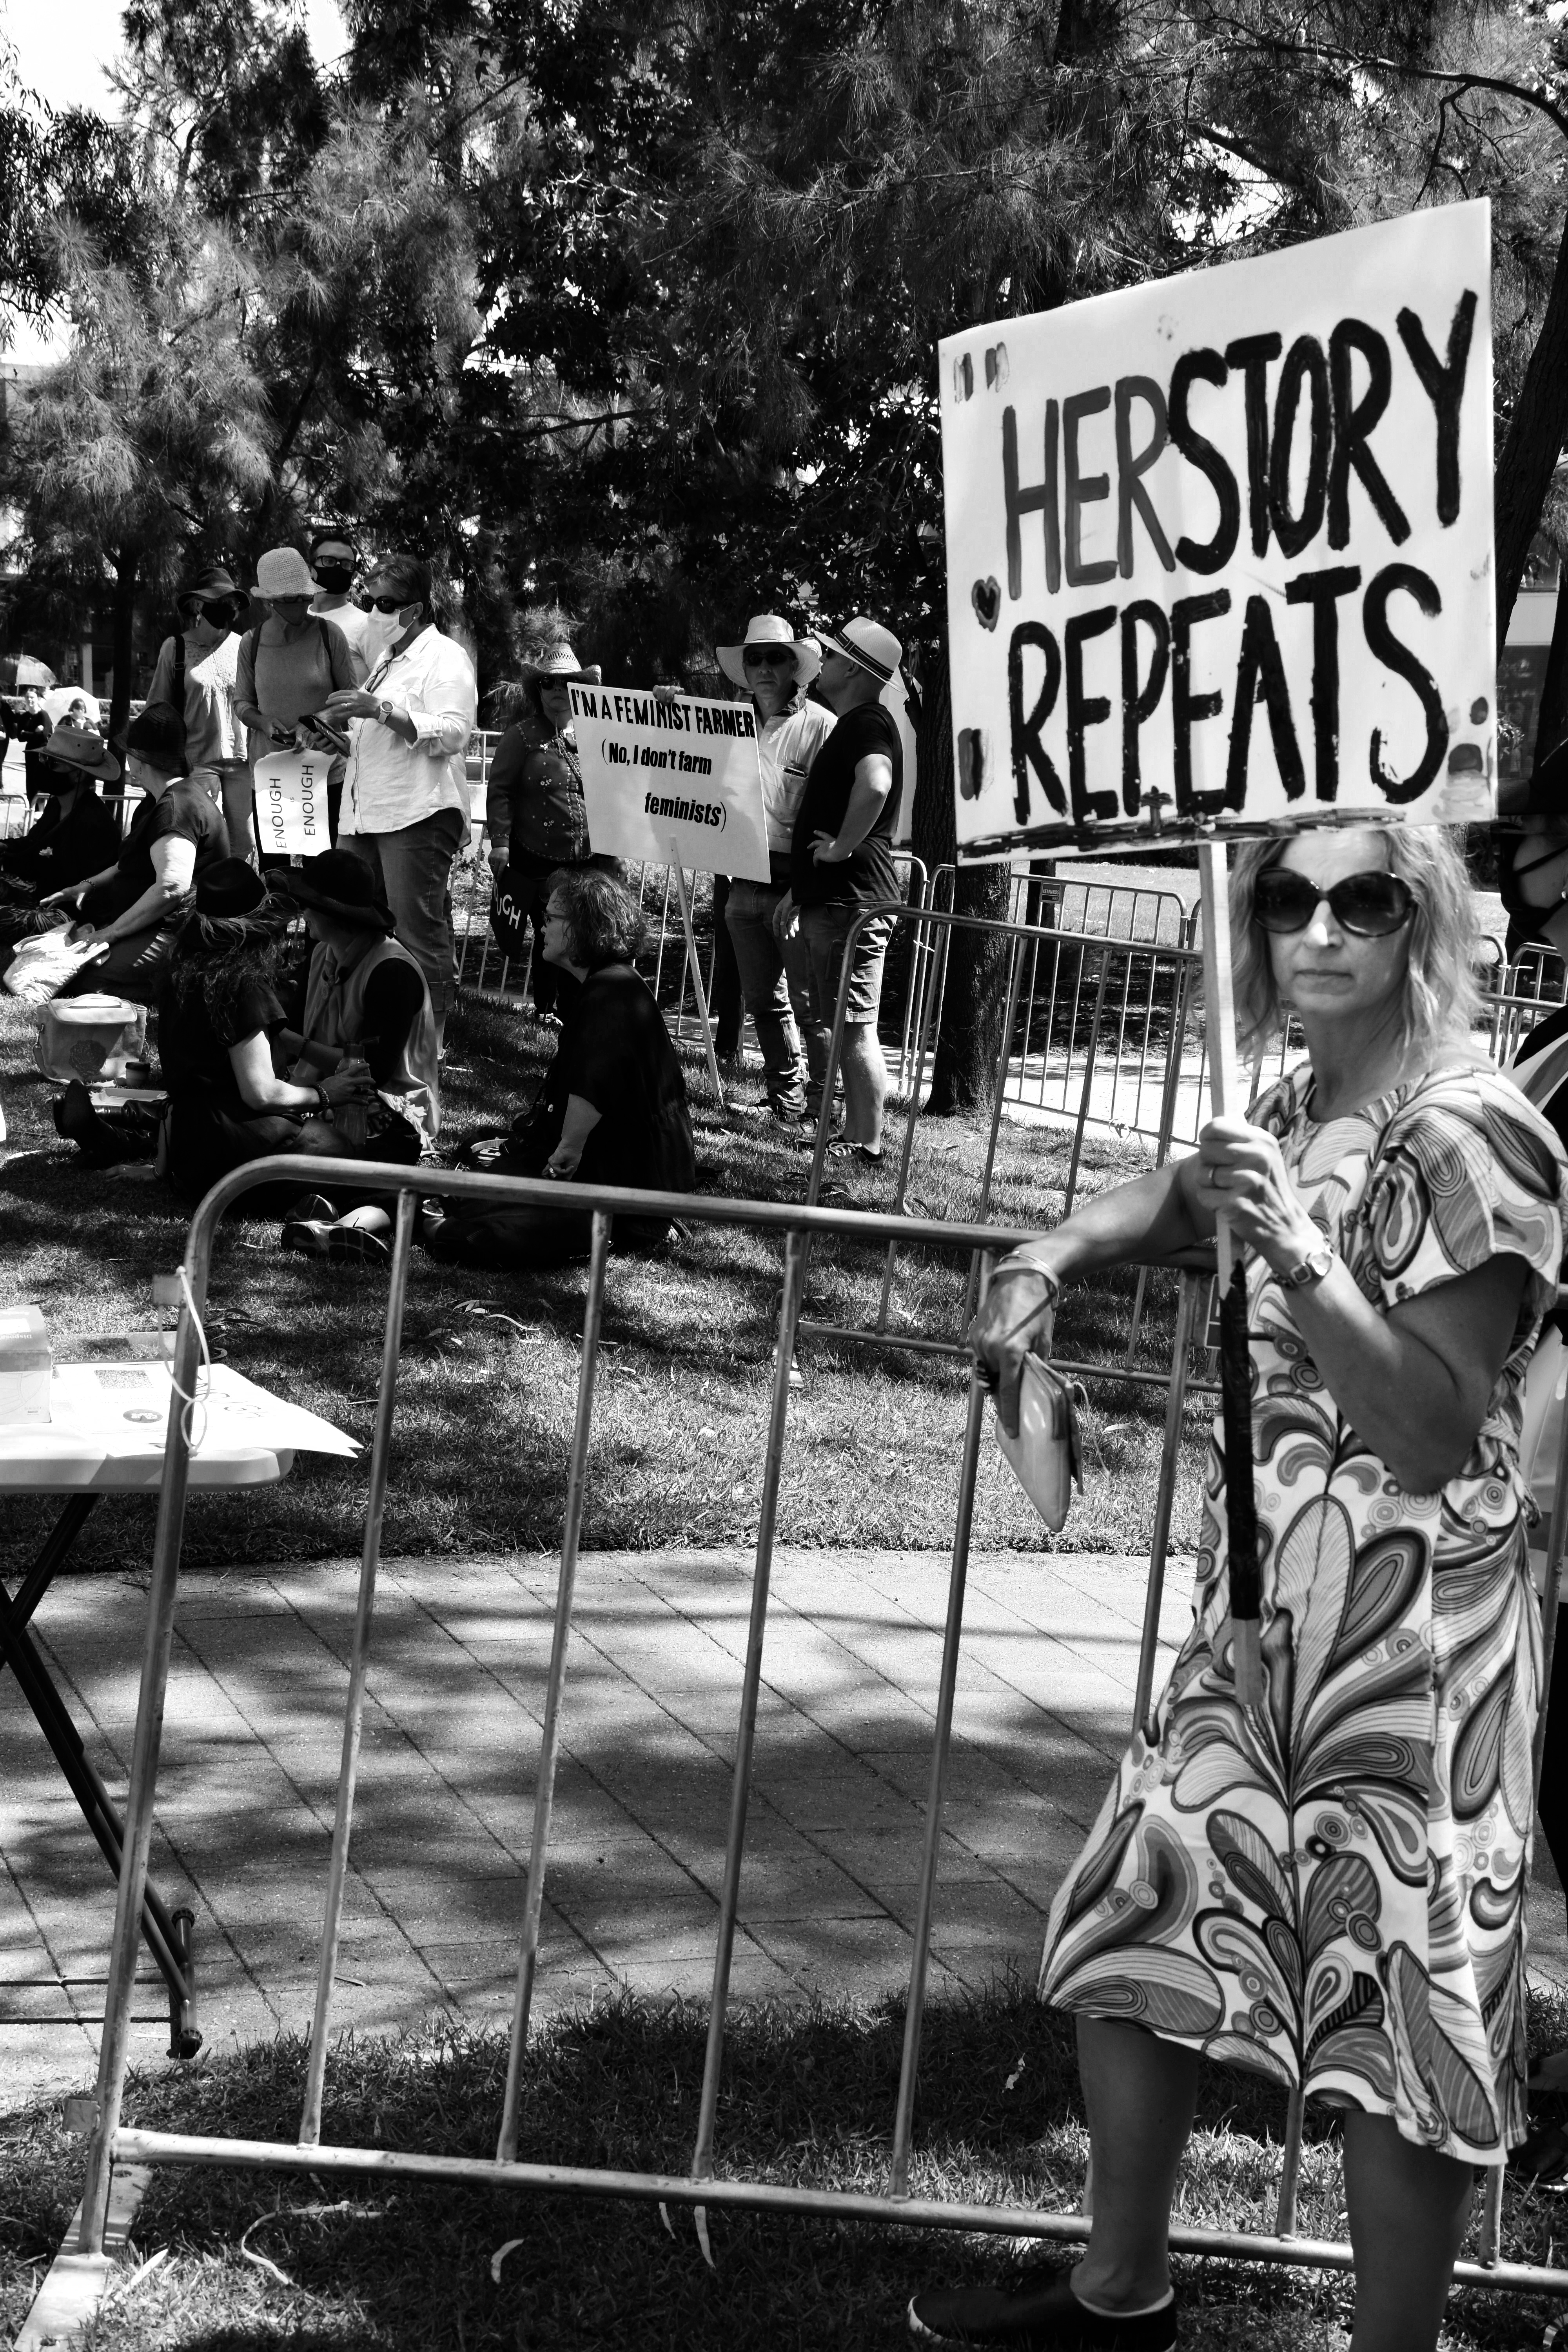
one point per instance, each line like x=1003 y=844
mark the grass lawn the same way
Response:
x=486 y=1398
x=253 y=2260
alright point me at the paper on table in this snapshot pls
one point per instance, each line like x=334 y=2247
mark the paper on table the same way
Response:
x=124 y=1408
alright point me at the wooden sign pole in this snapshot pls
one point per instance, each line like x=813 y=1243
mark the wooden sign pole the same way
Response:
x=1229 y=1101
x=692 y=958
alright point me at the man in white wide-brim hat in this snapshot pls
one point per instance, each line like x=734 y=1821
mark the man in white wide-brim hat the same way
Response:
x=776 y=666
x=842 y=860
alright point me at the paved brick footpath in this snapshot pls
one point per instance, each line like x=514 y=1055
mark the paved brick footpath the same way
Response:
x=451 y=1743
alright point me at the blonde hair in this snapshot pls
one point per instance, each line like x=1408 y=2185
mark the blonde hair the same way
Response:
x=1441 y=997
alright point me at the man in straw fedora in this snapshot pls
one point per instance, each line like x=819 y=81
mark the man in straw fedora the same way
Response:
x=841 y=860
x=776 y=666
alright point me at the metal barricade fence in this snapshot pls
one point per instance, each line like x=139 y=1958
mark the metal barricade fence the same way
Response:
x=113 y=2141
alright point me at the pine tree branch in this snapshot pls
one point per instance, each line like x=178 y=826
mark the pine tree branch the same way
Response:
x=1367 y=61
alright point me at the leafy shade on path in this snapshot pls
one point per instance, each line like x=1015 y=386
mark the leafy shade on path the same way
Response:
x=488 y=1381
x=808 y=2096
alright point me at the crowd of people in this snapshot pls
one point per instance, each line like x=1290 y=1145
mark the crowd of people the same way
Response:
x=188 y=915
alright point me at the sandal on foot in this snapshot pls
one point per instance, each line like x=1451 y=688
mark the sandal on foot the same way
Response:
x=1043 y=2314
x=363 y=1234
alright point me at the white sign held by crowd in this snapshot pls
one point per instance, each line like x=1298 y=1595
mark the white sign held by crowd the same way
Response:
x=291 y=804
x=1219 y=548
x=675 y=781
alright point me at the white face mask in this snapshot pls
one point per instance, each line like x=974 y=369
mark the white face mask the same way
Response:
x=381 y=629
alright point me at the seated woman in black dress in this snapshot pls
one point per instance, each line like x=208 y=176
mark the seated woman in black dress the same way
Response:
x=137 y=904
x=613 y=1107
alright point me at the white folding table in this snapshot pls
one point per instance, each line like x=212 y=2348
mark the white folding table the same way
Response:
x=108 y=1427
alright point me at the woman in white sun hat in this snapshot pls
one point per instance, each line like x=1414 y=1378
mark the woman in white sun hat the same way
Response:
x=775 y=665
x=288 y=664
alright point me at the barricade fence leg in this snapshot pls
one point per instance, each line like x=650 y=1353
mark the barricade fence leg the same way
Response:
x=549 y=1741
x=1290 y=2169
x=114 y=2049
x=914 y=2016
x=746 y=1737
x=353 y=1707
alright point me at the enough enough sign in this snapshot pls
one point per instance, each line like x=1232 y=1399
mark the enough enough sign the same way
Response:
x=291 y=804
x=1220 y=548
x=676 y=781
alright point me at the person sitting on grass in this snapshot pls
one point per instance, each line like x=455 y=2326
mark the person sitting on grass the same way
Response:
x=138 y=903
x=613 y=1107
x=73 y=836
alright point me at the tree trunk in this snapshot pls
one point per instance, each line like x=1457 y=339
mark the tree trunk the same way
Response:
x=123 y=654
x=1552 y=718
x=1536 y=431
x=969 y=1037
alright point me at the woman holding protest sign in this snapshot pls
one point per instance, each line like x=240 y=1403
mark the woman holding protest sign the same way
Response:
x=1328 y=1888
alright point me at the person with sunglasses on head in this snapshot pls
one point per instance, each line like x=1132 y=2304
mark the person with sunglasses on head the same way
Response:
x=1327 y=1888
x=776 y=666
x=405 y=807
x=536 y=817
x=197 y=671
x=290 y=665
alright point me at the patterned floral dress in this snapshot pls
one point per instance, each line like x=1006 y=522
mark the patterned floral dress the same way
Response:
x=1330 y=1888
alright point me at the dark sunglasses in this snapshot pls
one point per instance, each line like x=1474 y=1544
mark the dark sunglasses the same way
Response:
x=388 y=603
x=1368 y=906
x=219 y=608
x=767 y=657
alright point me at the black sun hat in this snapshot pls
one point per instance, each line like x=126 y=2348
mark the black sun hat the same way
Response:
x=337 y=883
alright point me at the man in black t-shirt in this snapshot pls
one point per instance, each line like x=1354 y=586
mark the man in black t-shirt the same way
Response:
x=841 y=860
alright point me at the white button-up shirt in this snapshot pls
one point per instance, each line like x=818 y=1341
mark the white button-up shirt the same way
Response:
x=390 y=783
x=786 y=746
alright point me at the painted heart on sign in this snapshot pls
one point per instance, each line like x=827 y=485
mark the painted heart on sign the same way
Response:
x=986 y=598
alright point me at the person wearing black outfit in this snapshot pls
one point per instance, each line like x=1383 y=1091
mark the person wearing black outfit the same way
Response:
x=613 y=1107
x=841 y=860
x=536 y=818
x=138 y=903
x=73 y=836
x=1532 y=877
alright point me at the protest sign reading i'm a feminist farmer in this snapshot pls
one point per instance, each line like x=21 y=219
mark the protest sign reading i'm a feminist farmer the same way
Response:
x=1220 y=548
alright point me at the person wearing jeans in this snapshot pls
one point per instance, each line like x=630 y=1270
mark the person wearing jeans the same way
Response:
x=406 y=795
x=776 y=666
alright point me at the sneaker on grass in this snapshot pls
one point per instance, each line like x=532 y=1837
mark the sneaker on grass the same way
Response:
x=1040 y=2313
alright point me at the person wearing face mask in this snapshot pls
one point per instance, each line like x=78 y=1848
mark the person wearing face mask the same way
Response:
x=776 y=666
x=335 y=560
x=137 y=904
x=289 y=667
x=406 y=795
x=196 y=672
x=74 y=837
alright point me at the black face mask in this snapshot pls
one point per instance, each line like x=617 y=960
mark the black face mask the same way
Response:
x=335 y=577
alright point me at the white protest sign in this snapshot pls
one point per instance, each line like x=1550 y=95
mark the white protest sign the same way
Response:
x=1227 y=539
x=291 y=804
x=676 y=782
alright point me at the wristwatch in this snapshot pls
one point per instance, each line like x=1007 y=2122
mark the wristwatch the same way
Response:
x=383 y=711
x=1312 y=1269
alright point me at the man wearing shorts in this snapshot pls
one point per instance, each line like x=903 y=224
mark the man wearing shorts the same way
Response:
x=841 y=860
